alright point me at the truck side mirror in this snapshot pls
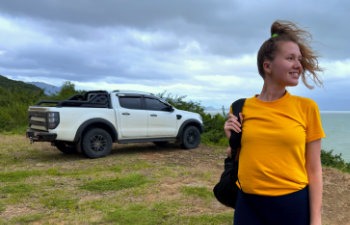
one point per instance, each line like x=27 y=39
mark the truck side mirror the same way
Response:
x=170 y=108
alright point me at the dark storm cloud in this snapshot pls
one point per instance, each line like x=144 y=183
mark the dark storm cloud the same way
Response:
x=156 y=42
x=229 y=27
x=113 y=12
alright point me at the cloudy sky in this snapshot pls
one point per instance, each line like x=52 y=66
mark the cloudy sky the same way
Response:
x=204 y=49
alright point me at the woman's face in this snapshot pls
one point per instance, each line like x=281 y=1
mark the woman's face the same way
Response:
x=285 y=69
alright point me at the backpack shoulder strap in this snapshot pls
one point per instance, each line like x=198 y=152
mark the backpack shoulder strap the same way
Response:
x=237 y=107
x=235 y=138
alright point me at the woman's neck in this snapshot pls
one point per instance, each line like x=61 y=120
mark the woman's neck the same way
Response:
x=271 y=93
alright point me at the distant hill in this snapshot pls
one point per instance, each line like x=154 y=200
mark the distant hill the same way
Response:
x=6 y=84
x=48 y=88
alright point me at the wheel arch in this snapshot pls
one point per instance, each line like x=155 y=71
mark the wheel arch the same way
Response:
x=96 y=123
x=190 y=122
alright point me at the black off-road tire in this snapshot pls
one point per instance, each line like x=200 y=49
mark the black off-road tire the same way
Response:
x=191 y=137
x=66 y=147
x=96 y=143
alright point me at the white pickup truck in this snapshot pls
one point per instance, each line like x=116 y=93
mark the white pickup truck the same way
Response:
x=91 y=122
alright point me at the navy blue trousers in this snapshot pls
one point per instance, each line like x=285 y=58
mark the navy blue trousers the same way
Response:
x=290 y=209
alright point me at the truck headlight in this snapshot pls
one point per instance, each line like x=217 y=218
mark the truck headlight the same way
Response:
x=53 y=119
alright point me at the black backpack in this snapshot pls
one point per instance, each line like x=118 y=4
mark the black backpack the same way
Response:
x=226 y=190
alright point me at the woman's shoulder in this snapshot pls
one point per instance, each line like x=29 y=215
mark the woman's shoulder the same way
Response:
x=304 y=101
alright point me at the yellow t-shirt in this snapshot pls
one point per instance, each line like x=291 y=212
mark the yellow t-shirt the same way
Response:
x=272 y=156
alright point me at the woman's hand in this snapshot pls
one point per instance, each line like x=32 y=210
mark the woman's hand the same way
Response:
x=232 y=124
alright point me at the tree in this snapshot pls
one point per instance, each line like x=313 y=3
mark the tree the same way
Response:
x=67 y=91
x=179 y=103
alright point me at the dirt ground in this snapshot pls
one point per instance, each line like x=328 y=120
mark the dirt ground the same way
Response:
x=336 y=197
x=336 y=189
x=336 y=185
x=336 y=194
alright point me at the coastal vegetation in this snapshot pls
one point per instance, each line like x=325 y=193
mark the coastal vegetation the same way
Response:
x=330 y=159
x=17 y=96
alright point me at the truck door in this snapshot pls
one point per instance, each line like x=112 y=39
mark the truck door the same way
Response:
x=132 y=117
x=161 y=118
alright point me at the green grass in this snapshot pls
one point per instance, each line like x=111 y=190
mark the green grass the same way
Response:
x=60 y=202
x=16 y=189
x=20 y=130
x=135 y=184
x=18 y=175
x=53 y=172
x=138 y=214
x=130 y=181
x=15 y=193
x=163 y=213
x=223 y=218
x=27 y=219
x=197 y=192
x=117 y=169
x=2 y=207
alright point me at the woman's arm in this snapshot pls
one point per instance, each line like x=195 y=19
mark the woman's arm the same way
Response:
x=314 y=172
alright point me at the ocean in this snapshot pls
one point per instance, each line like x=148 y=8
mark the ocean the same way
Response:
x=336 y=125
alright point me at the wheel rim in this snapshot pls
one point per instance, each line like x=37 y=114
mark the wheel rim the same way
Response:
x=98 y=143
x=191 y=137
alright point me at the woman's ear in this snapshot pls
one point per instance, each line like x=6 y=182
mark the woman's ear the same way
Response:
x=267 y=67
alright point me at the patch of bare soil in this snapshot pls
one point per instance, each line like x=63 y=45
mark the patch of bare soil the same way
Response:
x=12 y=211
x=336 y=197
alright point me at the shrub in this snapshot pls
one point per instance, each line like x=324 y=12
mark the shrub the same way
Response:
x=329 y=159
x=213 y=124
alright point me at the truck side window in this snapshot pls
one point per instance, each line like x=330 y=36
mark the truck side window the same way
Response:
x=155 y=104
x=130 y=102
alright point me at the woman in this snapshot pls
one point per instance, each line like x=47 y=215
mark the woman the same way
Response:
x=280 y=174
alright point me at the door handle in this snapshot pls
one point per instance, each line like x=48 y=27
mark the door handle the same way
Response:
x=126 y=114
x=154 y=115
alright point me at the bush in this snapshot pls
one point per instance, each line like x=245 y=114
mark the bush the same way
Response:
x=14 y=103
x=67 y=90
x=213 y=124
x=15 y=100
x=179 y=103
x=329 y=159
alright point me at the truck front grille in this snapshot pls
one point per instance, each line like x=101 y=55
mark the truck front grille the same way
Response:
x=37 y=120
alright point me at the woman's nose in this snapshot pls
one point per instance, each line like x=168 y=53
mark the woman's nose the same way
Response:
x=298 y=64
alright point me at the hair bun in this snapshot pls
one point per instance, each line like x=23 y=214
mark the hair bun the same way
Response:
x=283 y=27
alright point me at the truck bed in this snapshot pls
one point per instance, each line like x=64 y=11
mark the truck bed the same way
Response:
x=95 y=99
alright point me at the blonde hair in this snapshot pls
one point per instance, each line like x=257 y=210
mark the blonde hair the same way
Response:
x=282 y=31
